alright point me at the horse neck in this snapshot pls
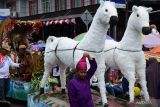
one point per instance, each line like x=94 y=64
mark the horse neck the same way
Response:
x=131 y=40
x=95 y=37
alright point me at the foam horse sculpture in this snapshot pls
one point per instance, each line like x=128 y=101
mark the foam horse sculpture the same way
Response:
x=67 y=52
x=127 y=55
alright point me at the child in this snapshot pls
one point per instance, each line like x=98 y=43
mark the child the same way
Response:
x=5 y=64
x=79 y=92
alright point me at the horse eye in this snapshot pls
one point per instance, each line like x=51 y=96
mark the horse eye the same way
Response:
x=51 y=40
x=137 y=15
x=106 y=10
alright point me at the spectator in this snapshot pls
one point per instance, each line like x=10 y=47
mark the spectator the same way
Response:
x=114 y=86
x=154 y=29
x=5 y=63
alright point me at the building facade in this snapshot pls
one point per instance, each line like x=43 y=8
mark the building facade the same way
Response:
x=24 y=8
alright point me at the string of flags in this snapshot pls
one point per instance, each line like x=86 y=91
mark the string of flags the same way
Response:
x=59 y=21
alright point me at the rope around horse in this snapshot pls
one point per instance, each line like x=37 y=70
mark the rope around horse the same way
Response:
x=122 y=50
x=94 y=51
x=75 y=48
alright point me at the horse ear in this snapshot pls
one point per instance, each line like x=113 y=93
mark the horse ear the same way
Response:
x=149 y=9
x=134 y=8
x=113 y=3
x=101 y=2
x=51 y=38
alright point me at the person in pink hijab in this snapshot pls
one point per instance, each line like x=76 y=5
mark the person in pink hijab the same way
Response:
x=79 y=92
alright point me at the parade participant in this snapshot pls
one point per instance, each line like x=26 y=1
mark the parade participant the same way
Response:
x=5 y=63
x=79 y=92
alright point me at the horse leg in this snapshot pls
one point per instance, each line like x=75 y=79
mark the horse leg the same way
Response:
x=130 y=76
x=143 y=83
x=47 y=70
x=101 y=84
x=63 y=77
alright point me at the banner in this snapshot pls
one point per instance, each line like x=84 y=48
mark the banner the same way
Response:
x=4 y=14
x=119 y=3
x=19 y=90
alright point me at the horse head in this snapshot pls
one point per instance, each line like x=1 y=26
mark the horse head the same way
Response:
x=107 y=13
x=49 y=41
x=140 y=19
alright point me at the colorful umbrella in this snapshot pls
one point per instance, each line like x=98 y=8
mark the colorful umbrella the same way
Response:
x=151 y=40
x=81 y=36
x=37 y=47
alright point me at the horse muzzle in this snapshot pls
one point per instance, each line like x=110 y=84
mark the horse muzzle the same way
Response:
x=146 y=30
x=113 y=21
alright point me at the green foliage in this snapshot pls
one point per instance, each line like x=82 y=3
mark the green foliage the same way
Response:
x=35 y=81
x=52 y=81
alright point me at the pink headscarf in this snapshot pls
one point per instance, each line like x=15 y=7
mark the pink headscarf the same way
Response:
x=82 y=65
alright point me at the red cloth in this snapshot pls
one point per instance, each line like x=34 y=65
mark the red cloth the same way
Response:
x=1 y=58
x=113 y=75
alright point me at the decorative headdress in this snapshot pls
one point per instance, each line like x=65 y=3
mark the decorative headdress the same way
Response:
x=82 y=65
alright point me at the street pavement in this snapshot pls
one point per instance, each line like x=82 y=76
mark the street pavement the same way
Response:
x=113 y=102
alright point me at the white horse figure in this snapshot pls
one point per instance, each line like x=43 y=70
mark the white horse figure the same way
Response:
x=127 y=55
x=67 y=52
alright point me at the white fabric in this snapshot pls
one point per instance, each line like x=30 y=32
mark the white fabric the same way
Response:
x=151 y=40
x=55 y=72
x=4 y=69
x=155 y=32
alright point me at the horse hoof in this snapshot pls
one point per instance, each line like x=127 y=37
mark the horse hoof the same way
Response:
x=105 y=105
x=63 y=91
x=131 y=104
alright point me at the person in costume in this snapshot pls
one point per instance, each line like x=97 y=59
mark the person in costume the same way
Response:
x=79 y=92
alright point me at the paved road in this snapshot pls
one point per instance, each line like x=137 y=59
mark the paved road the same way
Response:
x=113 y=102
